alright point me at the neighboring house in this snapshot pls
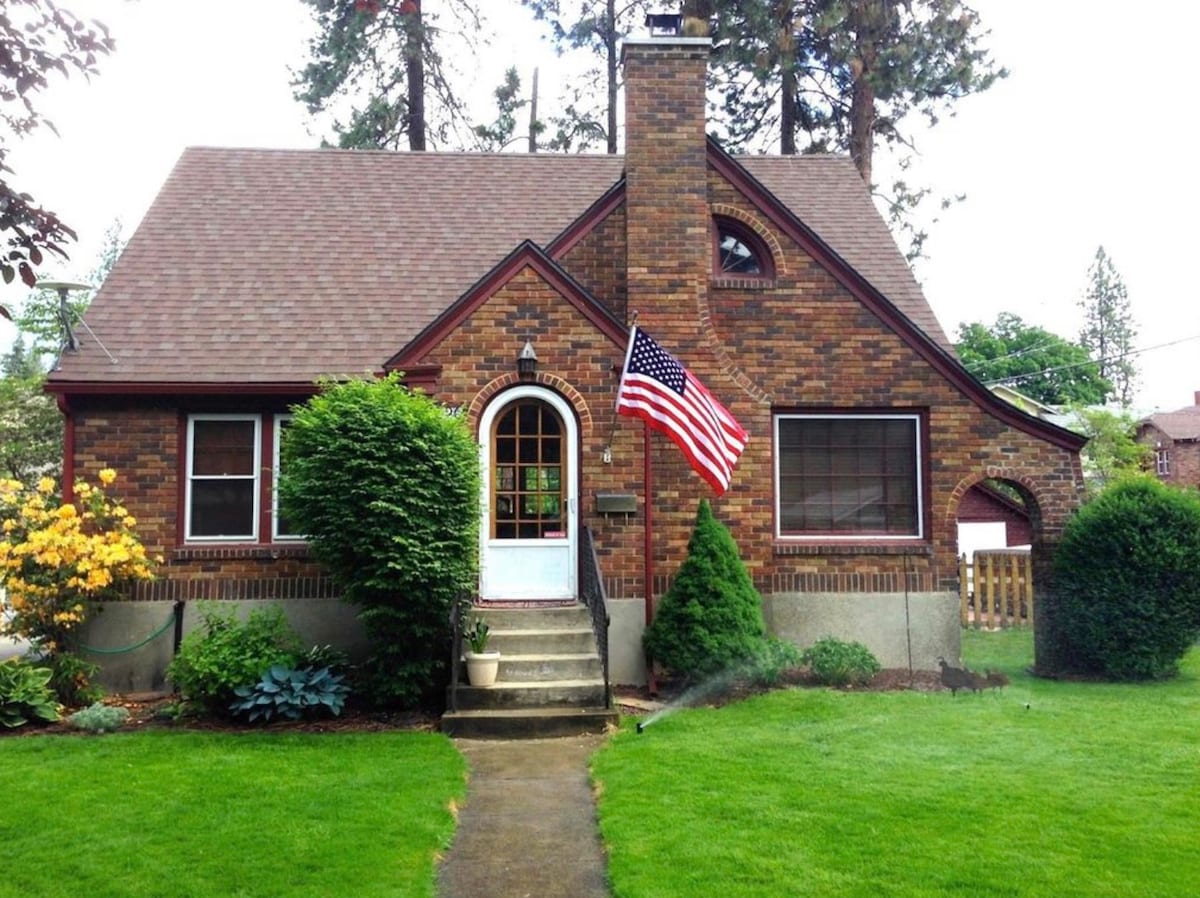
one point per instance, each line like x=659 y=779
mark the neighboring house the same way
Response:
x=990 y=519
x=1175 y=439
x=773 y=279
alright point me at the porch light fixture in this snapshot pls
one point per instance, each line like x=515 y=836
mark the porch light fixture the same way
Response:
x=527 y=362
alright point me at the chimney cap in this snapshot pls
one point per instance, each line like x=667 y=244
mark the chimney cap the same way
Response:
x=664 y=24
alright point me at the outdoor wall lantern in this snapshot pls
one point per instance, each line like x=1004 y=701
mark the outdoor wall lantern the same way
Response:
x=527 y=362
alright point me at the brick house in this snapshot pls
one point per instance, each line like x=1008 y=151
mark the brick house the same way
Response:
x=773 y=279
x=1175 y=439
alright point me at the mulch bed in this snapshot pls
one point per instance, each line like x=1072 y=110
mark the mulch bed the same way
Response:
x=152 y=710
x=891 y=680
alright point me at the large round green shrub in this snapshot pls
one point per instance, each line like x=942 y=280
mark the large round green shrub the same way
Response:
x=711 y=618
x=1128 y=581
x=385 y=484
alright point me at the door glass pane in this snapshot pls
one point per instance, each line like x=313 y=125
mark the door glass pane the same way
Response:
x=528 y=487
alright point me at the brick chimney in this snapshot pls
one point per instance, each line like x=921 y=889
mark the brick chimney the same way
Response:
x=667 y=219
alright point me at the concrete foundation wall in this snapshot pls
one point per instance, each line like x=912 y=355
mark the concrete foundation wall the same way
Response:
x=626 y=661
x=116 y=625
x=877 y=620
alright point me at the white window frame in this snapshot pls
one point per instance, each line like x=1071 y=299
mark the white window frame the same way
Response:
x=863 y=537
x=1162 y=462
x=278 y=423
x=255 y=477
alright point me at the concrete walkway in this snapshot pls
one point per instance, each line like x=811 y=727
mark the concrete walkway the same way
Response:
x=528 y=829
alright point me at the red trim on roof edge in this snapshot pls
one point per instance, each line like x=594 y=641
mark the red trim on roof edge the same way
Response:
x=190 y=388
x=583 y=225
x=948 y=366
x=526 y=255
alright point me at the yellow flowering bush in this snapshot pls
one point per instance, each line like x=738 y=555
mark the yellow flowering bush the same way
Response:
x=56 y=557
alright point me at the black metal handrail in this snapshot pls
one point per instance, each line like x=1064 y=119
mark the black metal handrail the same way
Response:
x=592 y=594
x=456 y=621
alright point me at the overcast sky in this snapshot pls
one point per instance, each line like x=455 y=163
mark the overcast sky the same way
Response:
x=1087 y=143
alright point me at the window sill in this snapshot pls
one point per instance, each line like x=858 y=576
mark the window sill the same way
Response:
x=743 y=283
x=816 y=547
x=224 y=551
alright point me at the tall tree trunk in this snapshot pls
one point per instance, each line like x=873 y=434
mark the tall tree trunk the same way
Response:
x=787 y=87
x=415 y=75
x=610 y=46
x=868 y=19
x=862 y=126
x=533 y=112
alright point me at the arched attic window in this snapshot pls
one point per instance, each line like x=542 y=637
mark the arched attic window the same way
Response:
x=739 y=252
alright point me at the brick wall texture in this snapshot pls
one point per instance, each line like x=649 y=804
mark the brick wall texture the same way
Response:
x=800 y=342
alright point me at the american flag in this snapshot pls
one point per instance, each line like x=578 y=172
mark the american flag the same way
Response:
x=656 y=388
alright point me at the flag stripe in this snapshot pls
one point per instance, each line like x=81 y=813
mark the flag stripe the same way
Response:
x=658 y=389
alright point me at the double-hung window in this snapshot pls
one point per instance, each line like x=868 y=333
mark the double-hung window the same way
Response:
x=848 y=476
x=223 y=489
x=1162 y=462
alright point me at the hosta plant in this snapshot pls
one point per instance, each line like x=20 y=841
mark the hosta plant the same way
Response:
x=25 y=694
x=291 y=693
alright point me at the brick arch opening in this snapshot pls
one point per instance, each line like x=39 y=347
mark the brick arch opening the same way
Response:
x=1008 y=494
x=552 y=382
x=759 y=229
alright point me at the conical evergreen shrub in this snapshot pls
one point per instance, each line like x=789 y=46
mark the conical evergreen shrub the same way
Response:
x=711 y=619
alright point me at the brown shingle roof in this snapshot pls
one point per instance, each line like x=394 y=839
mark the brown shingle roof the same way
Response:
x=278 y=266
x=1183 y=424
x=827 y=194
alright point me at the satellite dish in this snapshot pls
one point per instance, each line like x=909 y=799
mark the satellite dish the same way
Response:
x=63 y=288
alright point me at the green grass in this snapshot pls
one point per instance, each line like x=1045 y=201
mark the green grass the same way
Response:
x=1049 y=789
x=204 y=814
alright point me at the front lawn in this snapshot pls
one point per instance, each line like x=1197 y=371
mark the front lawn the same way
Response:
x=185 y=814
x=1045 y=789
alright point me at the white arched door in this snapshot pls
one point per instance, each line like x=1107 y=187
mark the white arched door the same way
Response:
x=528 y=452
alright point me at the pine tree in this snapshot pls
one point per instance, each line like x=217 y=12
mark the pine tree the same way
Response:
x=595 y=26
x=711 y=618
x=385 y=59
x=1108 y=327
x=845 y=76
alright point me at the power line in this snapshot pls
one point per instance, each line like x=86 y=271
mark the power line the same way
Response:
x=1017 y=378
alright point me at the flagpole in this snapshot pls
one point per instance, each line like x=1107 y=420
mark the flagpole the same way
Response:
x=648 y=546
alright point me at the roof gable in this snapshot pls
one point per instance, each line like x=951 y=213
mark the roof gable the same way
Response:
x=929 y=341
x=526 y=255
x=1181 y=425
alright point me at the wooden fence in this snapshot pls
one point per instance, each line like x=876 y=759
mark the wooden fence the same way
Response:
x=996 y=589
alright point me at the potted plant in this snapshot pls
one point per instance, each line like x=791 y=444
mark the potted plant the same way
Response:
x=482 y=665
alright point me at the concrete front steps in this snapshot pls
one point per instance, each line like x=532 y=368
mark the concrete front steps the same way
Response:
x=551 y=681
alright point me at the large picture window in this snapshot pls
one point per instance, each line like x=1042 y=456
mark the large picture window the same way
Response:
x=222 y=477
x=848 y=476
